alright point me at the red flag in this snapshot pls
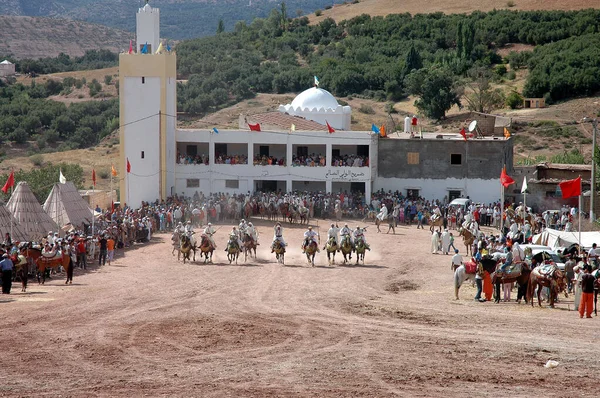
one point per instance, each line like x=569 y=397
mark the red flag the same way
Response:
x=128 y=166
x=505 y=179
x=329 y=128
x=463 y=133
x=130 y=47
x=9 y=183
x=112 y=207
x=570 y=188
x=254 y=127
x=94 y=177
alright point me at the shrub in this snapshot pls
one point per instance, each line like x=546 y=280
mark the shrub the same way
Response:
x=366 y=109
x=510 y=3
x=389 y=108
x=511 y=75
x=104 y=174
x=500 y=70
x=37 y=160
x=107 y=79
x=318 y=13
x=514 y=100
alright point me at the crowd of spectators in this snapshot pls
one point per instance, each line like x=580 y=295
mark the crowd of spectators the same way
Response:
x=350 y=161
x=268 y=161
x=231 y=159
x=189 y=159
x=313 y=160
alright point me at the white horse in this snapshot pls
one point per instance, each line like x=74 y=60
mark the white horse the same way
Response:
x=460 y=277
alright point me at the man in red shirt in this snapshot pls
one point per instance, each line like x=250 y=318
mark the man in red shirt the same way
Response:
x=586 y=303
x=81 y=254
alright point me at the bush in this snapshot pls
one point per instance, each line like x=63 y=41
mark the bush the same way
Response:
x=510 y=3
x=104 y=174
x=500 y=70
x=514 y=100
x=389 y=108
x=107 y=80
x=37 y=160
x=511 y=75
x=318 y=13
x=366 y=109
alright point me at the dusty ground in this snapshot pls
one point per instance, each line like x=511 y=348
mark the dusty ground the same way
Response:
x=148 y=325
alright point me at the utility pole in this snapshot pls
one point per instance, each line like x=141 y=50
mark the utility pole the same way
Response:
x=593 y=179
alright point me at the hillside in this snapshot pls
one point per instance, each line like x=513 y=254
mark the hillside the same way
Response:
x=180 y=19
x=27 y=37
x=341 y=12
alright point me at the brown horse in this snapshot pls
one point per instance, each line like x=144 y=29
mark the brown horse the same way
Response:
x=279 y=250
x=22 y=271
x=468 y=239
x=43 y=263
x=438 y=222
x=554 y=279
x=206 y=249
x=331 y=248
x=248 y=246
x=186 y=248
x=311 y=250
x=499 y=278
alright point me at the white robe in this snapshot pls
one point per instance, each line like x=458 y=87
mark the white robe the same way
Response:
x=445 y=241
x=383 y=214
x=434 y=243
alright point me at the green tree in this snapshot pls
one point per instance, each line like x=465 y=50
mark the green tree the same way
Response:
x=412 y=61
x=514 y=100
x=438 y=91
x=481 y=97
x=220 y=27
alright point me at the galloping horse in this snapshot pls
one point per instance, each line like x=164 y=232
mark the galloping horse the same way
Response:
x=248 y=246
x=331 y=248
x=361 y=247
x=304 y=214
x=438 y=222
x=468 y=239
x=233 y=250
x=346 y=248
x=185 y=247
x=547 y=276
x=279 y=250
x=311 y=250
x=206 y=249
x=44 y=262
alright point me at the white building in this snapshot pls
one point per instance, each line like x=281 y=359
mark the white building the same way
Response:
x=320 y=106
x=7 y=68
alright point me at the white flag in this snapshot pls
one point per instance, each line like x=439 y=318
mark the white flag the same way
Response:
x=524 y=188
x=62 y=178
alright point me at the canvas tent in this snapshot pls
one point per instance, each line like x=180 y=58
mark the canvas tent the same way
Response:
x=554 y=238
x=5 y=226
x=66 y=206
x=23 y=205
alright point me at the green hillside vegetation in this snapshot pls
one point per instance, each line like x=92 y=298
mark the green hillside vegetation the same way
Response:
x=92 y=59
x=375 y=57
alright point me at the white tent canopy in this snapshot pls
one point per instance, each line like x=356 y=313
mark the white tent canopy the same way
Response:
x=554 y=238
x=6 y=221
x=23 y=205
x=66 y=206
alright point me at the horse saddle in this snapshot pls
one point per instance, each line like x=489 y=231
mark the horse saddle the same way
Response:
x=545 y=270
x=470 y=267
x=53 y=255
x=514 y=270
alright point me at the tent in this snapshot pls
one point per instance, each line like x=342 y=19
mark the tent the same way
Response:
x=6 y=219
x=23 y=205
x=66 y=206
x=554 y=238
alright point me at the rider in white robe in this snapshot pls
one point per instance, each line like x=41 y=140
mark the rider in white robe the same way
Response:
x=235 y=235
x=513 y=230
x=346 y=231
x=359 y=233
x=333 y=233
x=189 y=231
x=278 y=236
x=383 y=214
x=252 y=232
x=310 y=236
x=209 y=232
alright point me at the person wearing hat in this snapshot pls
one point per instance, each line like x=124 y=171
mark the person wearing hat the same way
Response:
x=445 y=241
x=209 y=231
x=359 y=233
x=333 y=233
x=252 y=232
x=278 y=236
x=309 y=237
x=346 y=233
x=6 y=266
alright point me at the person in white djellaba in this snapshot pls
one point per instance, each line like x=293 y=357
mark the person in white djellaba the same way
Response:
x=359 y=233
x=209 y=231
x=333 y=233
x=278 y=236
x=252 y=232
x=310 y=236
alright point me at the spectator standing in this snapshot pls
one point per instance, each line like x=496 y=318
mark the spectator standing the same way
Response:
x=103 y=250
x=6 y=265
x=110 y=249
x=586 y=303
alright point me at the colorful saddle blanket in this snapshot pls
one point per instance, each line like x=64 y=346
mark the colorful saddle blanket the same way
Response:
x=514 y=270
x=471 y=267
x=545 y=270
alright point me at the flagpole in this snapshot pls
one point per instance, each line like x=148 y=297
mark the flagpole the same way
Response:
x=579 y=211
x=502 y=206
x=12 y=215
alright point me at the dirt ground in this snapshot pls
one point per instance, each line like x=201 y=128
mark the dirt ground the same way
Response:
x=150 y=326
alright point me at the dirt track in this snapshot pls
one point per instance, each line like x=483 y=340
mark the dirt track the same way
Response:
x=148 y=325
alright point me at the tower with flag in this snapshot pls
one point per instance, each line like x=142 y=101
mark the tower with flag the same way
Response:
x=147 y=91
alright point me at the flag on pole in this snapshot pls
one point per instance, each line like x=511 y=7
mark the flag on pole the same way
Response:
x=112 y=206
x=168 y=48
x=316 y=81
x=113 y=171
x=10 y=182
x=215 y=130
x=94 y=177
x=159 y=49
x=329 y=128
x=570 y=188
x=524 y=187
x=382 y=131
x=61 y=177
x=128 y=166
x=254 y=127
x=293 y=127
x=374 y=128
x=505 y=179
x=506 y=133
x=463 y=132
x=130 y=46
x=145 y=49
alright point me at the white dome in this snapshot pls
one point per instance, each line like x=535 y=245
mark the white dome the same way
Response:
x=315 y=98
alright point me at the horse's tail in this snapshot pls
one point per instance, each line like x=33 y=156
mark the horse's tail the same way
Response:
x=457 y=280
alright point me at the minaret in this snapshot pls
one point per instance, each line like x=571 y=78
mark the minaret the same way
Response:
x=148 y=108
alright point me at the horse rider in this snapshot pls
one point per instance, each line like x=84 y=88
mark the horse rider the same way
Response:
x=209 y=231
x=242 y=227
x=50 y=238
x=234 y=236
x=278 y=237
x=252 y=232
x=333 y=233
x=437 y=213
x=521 y=211
x=513 y=230
x=383 y=214
x=189 y=231
x=309 y=237
x=527 y=231
x=347 y=232
x=359 y=233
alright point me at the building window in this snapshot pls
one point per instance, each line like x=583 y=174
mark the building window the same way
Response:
x=456 y=158
x=412 y=194
x=220 y=150
x=142 y=154
x=412 y=158
x=453 y=194
x=263 y=150
x=234 y=184
x=143 y=80
x=193 y=183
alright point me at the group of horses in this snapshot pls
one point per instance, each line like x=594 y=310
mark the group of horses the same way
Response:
x=346 y=248
x=289 y=212
x=186 y=248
